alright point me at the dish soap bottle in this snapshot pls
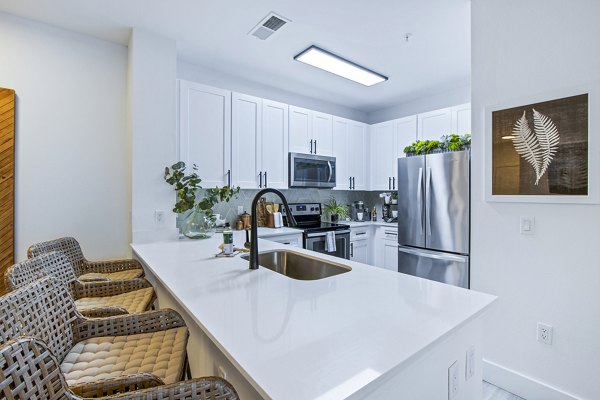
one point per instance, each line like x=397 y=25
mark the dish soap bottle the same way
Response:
x=227 y=240
x=374 y=214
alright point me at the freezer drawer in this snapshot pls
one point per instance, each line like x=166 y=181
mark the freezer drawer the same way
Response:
x=442 y=267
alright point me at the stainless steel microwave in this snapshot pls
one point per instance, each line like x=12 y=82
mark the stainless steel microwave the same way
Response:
x=311 y=171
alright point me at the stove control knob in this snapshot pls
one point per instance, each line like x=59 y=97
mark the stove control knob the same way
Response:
x=312 y=209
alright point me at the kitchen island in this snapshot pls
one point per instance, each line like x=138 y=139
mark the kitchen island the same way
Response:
x=368 y=333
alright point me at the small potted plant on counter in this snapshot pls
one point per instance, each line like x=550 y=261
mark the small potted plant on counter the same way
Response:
x=200 y=223
x=335 y=210
x=394 y=197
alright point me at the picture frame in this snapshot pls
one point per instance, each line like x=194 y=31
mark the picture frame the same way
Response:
x=517 y=180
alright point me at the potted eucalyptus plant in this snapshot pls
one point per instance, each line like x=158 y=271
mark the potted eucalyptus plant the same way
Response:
x=200 y=222
x=335 y=210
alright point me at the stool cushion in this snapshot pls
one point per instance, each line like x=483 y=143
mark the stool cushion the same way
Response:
x=160 y=353
x=136 y=301
x=112 y=276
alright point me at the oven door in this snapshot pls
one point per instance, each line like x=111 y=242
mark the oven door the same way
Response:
x=316 y=242
x=309 y=170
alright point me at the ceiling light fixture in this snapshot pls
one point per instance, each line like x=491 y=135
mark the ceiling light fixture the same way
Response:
x=329 y=62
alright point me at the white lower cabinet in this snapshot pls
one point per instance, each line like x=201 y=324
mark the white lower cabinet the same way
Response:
x=386 y=248
x=359 y=244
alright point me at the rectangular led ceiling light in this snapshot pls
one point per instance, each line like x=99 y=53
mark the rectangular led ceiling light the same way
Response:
x=337 y=65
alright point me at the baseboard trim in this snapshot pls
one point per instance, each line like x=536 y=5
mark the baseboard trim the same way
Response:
x=521 y=385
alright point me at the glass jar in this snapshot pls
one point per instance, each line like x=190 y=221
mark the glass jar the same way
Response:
x=200 y=224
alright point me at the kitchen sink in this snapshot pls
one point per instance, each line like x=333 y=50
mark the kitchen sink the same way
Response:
x=298 y=266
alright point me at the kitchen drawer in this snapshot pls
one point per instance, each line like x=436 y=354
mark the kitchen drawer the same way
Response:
x=294 y=240
x=359 y=234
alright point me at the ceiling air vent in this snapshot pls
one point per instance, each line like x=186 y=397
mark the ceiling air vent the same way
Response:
x=268 y=26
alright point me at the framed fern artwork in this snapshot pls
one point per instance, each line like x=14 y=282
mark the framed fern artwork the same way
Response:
x=543 y=149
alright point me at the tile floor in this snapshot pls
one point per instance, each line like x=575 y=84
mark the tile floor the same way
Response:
x=491 y=392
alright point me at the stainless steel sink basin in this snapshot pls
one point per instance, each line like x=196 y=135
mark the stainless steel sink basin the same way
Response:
x=298 y=266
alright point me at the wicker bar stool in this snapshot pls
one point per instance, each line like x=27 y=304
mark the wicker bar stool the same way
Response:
x=93 y=299
x=96 y=354
x=89 y=270
x=29 y=370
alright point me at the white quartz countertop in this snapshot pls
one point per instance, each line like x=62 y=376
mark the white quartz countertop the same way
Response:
x=322 y=339
x=284 y=230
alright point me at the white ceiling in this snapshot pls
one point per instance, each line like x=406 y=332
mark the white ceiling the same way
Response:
x=213 y=34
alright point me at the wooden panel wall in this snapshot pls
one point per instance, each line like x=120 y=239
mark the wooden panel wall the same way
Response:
x=7 y=182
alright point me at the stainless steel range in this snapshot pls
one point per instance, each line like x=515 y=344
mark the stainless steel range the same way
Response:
x=315 y=231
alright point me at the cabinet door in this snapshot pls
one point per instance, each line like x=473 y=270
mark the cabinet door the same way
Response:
x=435 y=124
x=300 y=130
x=461 y=119
x=405 y=132
x=357 y=155
x=390 y=255
x=358 y=251
x=340 y=152
x=246 y=125
x=205 y=131
x=322 y=136
x=382 y=155
x=275 y=144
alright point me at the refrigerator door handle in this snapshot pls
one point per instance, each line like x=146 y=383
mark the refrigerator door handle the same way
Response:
x=434 y=255
x=419 y=200
x=428 y=201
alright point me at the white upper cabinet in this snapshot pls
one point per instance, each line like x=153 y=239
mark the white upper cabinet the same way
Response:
x=246 y=127
x=300 y=130
x=461 y=119
x=259 y=142
x=274 y=144
x=205 y=131
x=357 y=155
x=406 y=133
x=388 y=140
x=322 y=134
x=349 y=150
x=435 y=124
x=310 y=132
x=343 y=180
x=383 y=153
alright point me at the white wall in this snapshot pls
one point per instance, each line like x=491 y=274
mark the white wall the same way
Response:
x=520 y=48
x=151 y=93
x=196 y=73
x=458 y=94
x=72 y=174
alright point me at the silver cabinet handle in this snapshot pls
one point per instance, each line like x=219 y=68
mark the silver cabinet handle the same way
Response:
x=389 y=183
x=315 y=146
x=350 y=179
x=311 y=146
x=394 y=183
x=419 y=200
x=353 y=184
x=351 y=249
x=266 y=184
x=229 y=177
x=260 y=177
x=428 y=198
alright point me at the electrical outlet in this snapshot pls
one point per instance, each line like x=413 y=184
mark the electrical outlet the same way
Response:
x=453 y=381
x=544 y=333
x=527 y=225
x=470 y=363
x=240 y=210
x=159 y=217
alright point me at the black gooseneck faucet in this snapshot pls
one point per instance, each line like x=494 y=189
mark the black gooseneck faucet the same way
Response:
x=253 y=260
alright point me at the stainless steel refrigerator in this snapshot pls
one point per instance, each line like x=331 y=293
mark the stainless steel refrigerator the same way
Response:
x=434 y=217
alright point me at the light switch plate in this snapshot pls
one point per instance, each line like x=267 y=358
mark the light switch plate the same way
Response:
x=527 y=225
